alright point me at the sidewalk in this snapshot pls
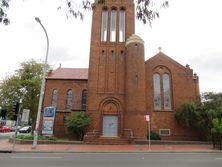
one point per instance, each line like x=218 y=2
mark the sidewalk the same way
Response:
x=5 y=146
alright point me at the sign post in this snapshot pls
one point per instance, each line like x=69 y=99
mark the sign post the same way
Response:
x=147 y=119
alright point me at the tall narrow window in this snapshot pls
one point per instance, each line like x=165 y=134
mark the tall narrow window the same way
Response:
x=157 y=92
x=122 y=25
x=162 y=89
x=69 y=98
x=104 y=25
x=84 y=96
x=166 y=92
x=113 y=26
x=54 y=97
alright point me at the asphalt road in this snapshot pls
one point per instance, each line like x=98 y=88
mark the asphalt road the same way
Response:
x=111 y=160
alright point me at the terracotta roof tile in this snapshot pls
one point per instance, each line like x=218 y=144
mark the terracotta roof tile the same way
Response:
x=69 y=73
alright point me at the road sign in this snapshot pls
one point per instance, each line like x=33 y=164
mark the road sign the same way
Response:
x=147 y=118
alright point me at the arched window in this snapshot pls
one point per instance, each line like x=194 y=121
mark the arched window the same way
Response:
x=113 y=26
x=122 y=25
x=157 y=92
x=84 y=96
x=69 y=99
x=54 y=97
x=104 y=25
x=166 y=92
x=162 y=89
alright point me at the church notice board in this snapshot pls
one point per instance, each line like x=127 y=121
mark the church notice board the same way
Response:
x=48 y=120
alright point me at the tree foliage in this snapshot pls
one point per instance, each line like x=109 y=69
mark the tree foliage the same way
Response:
x=28 y=77
x=4 y=5
x=217 y=126
x=77 y=122
x=188 y=115
x=146 y=10
x=205 y=116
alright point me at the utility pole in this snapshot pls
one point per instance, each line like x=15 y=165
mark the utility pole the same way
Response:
x=41 y=95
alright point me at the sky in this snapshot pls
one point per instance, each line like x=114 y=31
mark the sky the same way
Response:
x=188 y=31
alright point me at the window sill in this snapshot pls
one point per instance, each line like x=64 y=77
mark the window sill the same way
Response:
x=163 y=110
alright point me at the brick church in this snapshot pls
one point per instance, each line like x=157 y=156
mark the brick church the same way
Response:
x=120 y=87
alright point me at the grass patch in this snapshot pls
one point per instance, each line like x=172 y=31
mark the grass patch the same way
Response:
x=30 y=137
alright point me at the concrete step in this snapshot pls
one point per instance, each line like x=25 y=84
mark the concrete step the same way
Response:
x=108 y=141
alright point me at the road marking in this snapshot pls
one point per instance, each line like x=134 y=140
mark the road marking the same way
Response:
x=218 y=158
x=15 y=157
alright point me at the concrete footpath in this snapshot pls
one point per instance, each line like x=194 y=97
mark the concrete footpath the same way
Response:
x=5 y=146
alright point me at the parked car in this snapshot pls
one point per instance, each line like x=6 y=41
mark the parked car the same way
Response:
x=25 y=129
x=5 y=129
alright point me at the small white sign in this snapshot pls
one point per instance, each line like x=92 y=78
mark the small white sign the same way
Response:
x=147 y=118
x=25 y=116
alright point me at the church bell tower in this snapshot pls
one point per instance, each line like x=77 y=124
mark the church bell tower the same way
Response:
x=112 y=24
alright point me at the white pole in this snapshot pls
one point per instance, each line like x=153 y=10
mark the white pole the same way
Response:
x=42 y=89
x=149 y=133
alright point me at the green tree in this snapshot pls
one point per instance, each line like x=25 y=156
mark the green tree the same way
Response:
x=28 y=76
x=9 y=94
x=146 y=10
x=217 y=126
x=188 y=115
x=217 y=132
x=77 y=123
x=211 y=108
x=204 y=116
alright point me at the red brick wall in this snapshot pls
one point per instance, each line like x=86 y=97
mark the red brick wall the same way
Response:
x=77 y=86
x=183 y=87
x=106 y=77
x=135 y=97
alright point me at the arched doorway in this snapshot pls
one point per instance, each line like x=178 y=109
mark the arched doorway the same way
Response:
x=111 y=117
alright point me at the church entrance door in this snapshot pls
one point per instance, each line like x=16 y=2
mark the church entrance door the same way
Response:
x=110 y=126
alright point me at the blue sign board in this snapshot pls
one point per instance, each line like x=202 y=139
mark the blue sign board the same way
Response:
x=48 y=120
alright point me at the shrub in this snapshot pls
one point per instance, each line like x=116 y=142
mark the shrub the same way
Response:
x=154 y=136
x=188 y=116
x=77 y=122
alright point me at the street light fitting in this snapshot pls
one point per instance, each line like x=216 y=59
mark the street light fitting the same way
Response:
x=37 y=19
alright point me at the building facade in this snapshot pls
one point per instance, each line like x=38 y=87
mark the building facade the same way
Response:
x=121 y=86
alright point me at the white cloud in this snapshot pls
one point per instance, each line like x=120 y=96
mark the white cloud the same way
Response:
x=188 y=31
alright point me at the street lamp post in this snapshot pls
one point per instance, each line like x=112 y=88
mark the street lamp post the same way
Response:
x=41 y=95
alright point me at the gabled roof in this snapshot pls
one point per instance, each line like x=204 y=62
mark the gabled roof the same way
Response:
x=161 y=55
x=69 y=73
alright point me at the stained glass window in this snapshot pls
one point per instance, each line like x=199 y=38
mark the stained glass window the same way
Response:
x=69 y=100
x=166 y=92
x=157 y=92
x=54 y=97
